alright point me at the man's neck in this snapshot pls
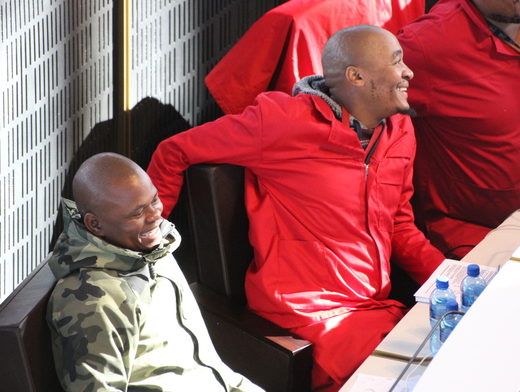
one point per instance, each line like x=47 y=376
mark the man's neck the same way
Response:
x=511 y=29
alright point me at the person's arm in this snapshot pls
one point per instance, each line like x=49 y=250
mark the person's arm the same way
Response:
x=410 y=249
x=244 y=73
x=233 y=139
x=94 y=335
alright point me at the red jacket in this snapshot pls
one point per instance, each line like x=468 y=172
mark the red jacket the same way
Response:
x=285 y=45
x=466 y=91
x=323 y=224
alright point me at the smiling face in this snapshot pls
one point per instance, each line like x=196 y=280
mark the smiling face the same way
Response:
x=129 y=214
x=386 y=77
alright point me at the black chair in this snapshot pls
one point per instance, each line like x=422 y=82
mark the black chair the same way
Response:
x=26 y=362
x=265 y=353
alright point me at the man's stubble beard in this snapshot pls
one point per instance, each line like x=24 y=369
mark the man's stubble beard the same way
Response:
x=409 y=112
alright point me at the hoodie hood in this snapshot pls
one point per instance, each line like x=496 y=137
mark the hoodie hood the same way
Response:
x=315 y=85
x=78 y=248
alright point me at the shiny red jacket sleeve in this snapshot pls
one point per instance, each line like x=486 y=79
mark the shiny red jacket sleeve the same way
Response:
x=205 y=143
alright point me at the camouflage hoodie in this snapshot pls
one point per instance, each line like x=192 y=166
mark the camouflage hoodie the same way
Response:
x=127 y=321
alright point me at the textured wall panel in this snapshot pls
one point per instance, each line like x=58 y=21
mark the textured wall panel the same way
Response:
x=55 y=85
x=176 y=42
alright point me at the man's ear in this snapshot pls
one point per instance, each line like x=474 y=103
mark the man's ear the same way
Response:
x=354 y=76
x=92 y=224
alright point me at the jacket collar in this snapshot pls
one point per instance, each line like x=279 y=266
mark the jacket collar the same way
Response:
x=78 y=248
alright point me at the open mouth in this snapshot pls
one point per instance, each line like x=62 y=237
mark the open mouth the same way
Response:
x=404 y=91
x=151 y=233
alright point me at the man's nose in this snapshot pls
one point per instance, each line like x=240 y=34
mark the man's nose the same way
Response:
x=154 y=212
x=407 y=72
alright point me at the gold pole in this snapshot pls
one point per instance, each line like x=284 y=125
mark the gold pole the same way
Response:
x=122 y=75
x=127 y=54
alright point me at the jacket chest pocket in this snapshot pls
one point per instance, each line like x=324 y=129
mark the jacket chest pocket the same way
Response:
x=389 y=183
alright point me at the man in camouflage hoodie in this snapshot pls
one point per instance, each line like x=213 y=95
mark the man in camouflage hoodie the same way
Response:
x=122 y=316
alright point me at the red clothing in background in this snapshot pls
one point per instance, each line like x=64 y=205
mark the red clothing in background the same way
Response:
x=323 y=224
x=466 y=91
x=286 y=43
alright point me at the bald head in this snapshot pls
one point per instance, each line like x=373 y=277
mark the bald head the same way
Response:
x=118 y=202
x=365 y=73
x=100 y=174
x=348 y=46
x=356 y=45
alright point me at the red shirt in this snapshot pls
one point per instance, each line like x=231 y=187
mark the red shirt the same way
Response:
x=286 y=43
x=466 y=91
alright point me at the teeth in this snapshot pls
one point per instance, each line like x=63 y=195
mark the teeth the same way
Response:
x=148 y=232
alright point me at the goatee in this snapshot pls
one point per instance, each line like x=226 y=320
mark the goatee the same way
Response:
x=504 y=18
x=410 y=112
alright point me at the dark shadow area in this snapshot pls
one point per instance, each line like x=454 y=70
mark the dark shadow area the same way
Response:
x=151 y=122
x=403 y=287
x=430 y=4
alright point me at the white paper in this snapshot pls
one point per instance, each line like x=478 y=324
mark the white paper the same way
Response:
x=455 y=271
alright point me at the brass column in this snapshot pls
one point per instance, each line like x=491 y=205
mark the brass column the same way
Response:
x=122 y=74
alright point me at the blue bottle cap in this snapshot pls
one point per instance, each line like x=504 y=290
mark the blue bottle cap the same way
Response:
x=442 y=282
x=473 y=270
x=451 y=304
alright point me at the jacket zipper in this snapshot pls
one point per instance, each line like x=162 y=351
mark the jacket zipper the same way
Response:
x=180 y=318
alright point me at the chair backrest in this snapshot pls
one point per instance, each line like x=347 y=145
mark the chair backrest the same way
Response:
x=220 y=227
x=26 y=361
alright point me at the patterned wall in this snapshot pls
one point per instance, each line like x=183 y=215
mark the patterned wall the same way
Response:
x=57 y=94
x=176 y=43
x=55 y=85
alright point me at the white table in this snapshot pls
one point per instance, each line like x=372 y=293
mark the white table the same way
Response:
x=392 y=354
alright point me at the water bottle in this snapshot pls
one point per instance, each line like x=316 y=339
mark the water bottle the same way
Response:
x=435 y=342
x=472 y=285
x=449 y=321
x=438 y=306
x=439 y=298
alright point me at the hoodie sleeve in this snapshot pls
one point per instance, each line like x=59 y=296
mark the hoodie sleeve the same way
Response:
x=93 y=323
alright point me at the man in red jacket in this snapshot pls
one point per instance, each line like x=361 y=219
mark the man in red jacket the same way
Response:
x=328 y=183
x=466 y=57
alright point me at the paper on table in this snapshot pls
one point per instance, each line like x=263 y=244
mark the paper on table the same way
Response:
x=455 y=271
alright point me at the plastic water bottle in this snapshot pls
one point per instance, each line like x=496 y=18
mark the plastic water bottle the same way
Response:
x=449 y=321
x=438 y=306
x=439 y=298
x=472 y=285
x=435 y=342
